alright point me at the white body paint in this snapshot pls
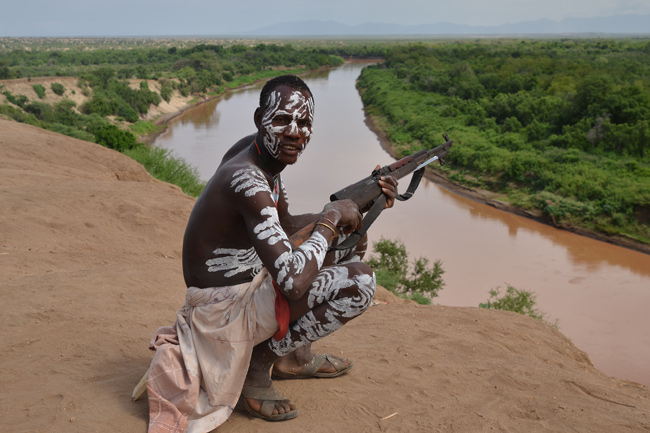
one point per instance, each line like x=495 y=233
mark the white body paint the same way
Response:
x=232 y=262
x=251 y=181
x=326 y=288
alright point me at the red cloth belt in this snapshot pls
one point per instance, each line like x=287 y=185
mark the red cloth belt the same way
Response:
x=282 y=313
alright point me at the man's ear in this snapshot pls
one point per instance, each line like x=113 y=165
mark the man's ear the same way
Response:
x=257 y=118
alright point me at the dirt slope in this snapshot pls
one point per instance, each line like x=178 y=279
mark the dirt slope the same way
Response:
x=90 y=263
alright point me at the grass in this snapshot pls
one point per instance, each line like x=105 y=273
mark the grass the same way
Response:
x=166 y=167
x=142 y=127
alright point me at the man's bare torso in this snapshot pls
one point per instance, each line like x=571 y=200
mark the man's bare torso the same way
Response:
x=217 y=250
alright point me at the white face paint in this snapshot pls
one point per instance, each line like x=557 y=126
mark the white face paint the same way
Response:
x=288 y=115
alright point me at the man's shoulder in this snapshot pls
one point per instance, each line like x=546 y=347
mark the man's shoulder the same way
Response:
x=238 y=148
x=238 y=174
x=236 y=158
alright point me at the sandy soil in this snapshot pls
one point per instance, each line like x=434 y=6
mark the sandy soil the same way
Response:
x=90 y=262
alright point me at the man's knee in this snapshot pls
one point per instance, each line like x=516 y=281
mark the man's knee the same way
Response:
x=360 y=268
x=365 y=284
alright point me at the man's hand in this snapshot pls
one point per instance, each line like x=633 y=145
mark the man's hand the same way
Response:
x=388 y=186
x=347 y=215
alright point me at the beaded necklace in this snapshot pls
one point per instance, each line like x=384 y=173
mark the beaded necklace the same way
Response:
x=276 y=189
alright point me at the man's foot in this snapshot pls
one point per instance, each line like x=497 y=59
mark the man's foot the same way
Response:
x=320 y=366
x=267 y=404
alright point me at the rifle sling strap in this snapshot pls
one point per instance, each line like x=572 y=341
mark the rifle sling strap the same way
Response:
x=377 y=207
x=415 y=182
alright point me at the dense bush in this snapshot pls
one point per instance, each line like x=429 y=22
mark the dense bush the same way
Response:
x=556 y=125
x=57 y=88
x=40 y=90
x=114 y=138
x=19 y=100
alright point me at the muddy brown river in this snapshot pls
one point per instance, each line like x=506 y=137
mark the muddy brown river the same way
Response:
x=598 y=293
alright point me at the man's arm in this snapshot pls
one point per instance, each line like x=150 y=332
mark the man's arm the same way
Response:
x=293 y=270
x=293 y=223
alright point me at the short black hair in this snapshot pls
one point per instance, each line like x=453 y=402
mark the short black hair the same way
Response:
x=283 y=80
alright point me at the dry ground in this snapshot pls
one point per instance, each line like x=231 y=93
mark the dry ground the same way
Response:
x=90 y=263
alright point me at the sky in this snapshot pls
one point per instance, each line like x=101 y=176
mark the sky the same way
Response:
x=222 y=17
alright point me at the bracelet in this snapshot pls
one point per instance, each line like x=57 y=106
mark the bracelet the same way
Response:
x=329 y=221
x=329 y=227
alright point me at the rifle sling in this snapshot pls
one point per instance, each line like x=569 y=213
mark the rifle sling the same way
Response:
x=415 y=182
x=377 y=207
x=371 y=216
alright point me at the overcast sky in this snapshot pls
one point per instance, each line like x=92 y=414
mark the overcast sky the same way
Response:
x=222 y=17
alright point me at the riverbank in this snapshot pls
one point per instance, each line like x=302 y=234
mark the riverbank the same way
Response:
x=492 y=199
x=164 y=115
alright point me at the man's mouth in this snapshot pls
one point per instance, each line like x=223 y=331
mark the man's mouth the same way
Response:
x=291 y=147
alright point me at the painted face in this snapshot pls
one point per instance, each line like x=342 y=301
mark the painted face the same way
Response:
x=287 y=123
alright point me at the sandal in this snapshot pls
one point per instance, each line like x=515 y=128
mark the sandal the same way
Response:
x=311 y=369
x=269 y=397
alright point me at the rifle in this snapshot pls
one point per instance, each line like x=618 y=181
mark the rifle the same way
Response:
x=369 y=197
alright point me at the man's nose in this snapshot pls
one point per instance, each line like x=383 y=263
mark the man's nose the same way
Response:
x=292 y=130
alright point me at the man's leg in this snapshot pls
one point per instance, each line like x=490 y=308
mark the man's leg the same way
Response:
x=337 y=295
x=295 y=361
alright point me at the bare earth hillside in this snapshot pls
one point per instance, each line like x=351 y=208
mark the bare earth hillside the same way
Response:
x=25 y=87
x=90 y=263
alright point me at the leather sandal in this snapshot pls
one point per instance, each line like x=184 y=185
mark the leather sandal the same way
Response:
x=310 y=370
x=268 y=396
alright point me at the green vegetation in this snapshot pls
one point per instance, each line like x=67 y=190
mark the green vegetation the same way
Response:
x=116 y=78
x=40 y=90
x=164 y=166
x=391 y=265
x=562 y=127
x=57 y=88
x=515 y=300
x=142 y=127
x=196 y=66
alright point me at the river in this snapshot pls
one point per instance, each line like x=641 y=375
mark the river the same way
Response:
x=598 y=293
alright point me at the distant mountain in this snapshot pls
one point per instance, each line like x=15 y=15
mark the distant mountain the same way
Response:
x=619 y=24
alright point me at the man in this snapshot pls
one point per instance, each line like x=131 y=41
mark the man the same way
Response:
x=253 y=299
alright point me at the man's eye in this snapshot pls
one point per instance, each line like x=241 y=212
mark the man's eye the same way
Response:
x=304 y=123
x=282 y=120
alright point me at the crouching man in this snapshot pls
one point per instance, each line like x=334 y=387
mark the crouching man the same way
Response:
x=255 y=303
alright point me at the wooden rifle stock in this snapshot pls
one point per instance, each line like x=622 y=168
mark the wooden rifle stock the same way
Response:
x=299 y=237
